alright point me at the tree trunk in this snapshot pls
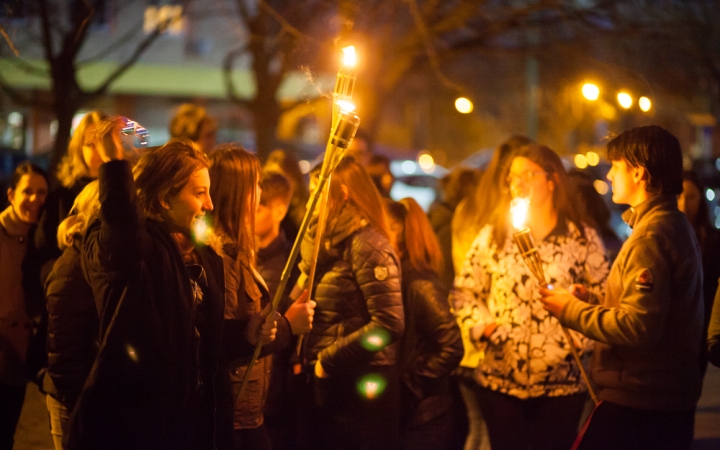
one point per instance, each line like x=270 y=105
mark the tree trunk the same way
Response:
x=66 y=103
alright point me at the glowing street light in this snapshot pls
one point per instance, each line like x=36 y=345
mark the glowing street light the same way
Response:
x=590 y=91
x=625 y=100
x=349 y=56
x=463 y=105
x=580 y=161
x=426 y=162
x=645 y=104
x=593 y=159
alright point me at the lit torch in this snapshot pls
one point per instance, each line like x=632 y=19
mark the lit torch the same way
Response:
x=526 y=244
x=344 y=126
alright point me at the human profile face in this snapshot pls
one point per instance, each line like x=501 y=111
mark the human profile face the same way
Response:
x=90 y=154
x=263 y=221
x=625 y=182
x=28 y=197
x=191 y=202
x=527 y=179
x=689 y=200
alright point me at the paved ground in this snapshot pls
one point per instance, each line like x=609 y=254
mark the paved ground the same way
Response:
x=33 y=432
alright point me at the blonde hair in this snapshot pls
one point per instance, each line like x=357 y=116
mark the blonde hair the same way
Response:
x=85 y=207
x=72 y=167
x=188 y=122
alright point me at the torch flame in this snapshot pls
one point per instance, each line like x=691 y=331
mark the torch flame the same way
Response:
x=345 y=106
x=519 y=209
x=349 y=57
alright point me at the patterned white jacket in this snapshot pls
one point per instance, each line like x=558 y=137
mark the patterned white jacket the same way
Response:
x=527 y=355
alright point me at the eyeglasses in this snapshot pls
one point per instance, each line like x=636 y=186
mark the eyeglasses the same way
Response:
x=525 y=177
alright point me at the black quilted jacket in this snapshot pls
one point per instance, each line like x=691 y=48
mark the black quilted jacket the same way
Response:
x=359 y=317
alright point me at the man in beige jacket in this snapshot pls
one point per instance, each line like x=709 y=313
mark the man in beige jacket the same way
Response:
x=648 y=327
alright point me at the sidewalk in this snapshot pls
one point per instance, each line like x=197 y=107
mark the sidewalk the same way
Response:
x=33 y=431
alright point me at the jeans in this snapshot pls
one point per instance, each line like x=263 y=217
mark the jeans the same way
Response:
x=477 y=438
x=59 y=420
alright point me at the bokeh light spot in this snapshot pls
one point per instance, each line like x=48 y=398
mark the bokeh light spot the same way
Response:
x=463 y=105
x=375 y=340
x=590 y=91
x=371 y=386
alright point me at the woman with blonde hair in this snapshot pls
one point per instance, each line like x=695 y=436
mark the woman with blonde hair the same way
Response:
x=235 y=176
x=353 y=347
x=73 y=317
x=431 y=347
x=77 y=168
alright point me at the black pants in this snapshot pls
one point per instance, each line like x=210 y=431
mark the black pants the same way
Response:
x=536 y=423
x=11 y=402
x=252 y=439
x=617 y=427
x=352 y=411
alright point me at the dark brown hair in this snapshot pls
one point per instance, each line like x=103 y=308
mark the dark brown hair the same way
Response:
x=234 y=173
x=656 y=150
x=275 y=185
x=417 y=240
x=163 y=172
x=24 y=168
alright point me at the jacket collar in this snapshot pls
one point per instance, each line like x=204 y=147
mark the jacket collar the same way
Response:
x=657 y=202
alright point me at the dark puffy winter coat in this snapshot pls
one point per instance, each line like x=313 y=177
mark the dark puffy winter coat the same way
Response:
x=72 y=341
x=153 y=382
x=431 y=347
x=358 y=296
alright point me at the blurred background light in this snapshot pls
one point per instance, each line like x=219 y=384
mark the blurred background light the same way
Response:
x=625 y=100
x=581 y=161
x=593 y=159
x=463 y=105
x=590 y=91
x=601 y=187
x=645 y=104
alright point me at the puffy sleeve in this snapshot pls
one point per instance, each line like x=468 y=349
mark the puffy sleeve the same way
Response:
x=377 y=272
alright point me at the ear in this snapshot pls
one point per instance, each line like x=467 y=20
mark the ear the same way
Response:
x=639 y=174
x=555 y=180
x=10 y=192
x=278 y=212
x=345 y=191
x=165 y=204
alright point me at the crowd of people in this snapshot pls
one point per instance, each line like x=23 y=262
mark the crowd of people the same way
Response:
x=136 y=287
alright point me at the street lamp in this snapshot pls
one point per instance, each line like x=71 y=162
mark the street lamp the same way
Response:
x=645 y=104
x=590 y=91
x=625 y=100
x=463 y=105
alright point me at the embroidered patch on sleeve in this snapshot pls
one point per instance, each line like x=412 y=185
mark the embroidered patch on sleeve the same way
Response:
x=644 y=281
x=381 y=273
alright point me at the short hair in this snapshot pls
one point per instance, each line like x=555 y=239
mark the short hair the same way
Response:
x=188 y=121
x=275 y=185
x=24 y=168
x=656 y=150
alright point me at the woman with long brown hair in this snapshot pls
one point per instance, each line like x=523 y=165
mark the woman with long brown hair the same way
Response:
x=235 y=176
x=431 y=347
x=161 y=300
x=528 y=385
x=352 y=348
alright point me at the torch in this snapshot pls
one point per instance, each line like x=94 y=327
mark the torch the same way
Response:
x=526 y=244
x=340 y=139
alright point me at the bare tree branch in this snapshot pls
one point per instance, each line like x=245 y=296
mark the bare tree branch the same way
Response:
x=9 y=41
x=227 y=75
x=115 y=45
x=139 y=50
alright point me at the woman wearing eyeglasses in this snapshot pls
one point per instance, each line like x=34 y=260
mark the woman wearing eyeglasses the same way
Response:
x=528 y=385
